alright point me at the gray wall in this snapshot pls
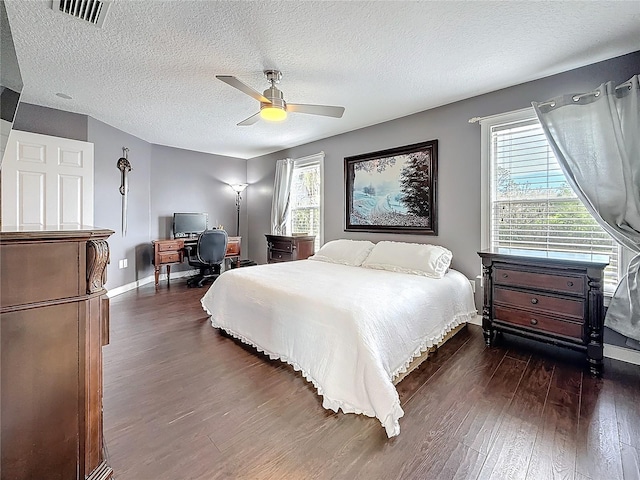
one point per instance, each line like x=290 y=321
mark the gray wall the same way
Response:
x=135 y=247
x=49 y=121
x=458 y=161
x=188 y=181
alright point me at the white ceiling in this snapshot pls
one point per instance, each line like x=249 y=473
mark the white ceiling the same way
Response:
x=150 y=70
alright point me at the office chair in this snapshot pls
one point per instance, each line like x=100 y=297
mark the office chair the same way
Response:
x=208 y=256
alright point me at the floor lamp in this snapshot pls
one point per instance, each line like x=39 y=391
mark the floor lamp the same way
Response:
x=238 y=188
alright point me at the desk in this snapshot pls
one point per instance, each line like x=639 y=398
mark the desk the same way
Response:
x=169 y=252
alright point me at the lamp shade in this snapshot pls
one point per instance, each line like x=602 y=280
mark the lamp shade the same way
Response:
x=273 y=113
x=238 y=187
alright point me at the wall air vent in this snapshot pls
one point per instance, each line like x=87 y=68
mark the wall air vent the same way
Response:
x=92 y=11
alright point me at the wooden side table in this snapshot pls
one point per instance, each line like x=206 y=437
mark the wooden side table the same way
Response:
x=282 y=248
x=553 y=297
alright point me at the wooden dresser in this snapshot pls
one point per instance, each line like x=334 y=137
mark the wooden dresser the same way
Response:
x=553 y=297
x=169 y=252
x=54 y=321
x=282 y=248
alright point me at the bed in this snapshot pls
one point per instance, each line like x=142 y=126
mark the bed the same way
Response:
x=349 y=327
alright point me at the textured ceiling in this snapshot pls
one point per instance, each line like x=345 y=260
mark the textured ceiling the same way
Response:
x=150 y=70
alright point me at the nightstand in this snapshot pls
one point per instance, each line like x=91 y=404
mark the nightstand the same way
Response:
x=553 y=297
x=281 y=248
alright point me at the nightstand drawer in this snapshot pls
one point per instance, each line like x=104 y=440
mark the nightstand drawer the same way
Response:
x=557 y=283
x=533 y=301
x=169 y=257
x=543 y=323
x=276 y=256
x=170 y=246
x=281 y=245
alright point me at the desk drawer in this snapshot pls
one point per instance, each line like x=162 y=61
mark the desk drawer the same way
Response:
x=557 y=283
x=540 y=303
x=172 y=257
x=279 y=256
x=172 y=246
x=539 y=322
x=233 y=248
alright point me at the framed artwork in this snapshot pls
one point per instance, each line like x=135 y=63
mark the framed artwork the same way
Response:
x=393 y=191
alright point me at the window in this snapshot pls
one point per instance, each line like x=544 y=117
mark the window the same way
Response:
x=529 y=204
x=305 y=201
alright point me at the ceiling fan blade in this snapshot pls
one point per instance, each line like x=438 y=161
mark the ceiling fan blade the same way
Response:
x=250 y=121
x=326 y=110
x=234 y=82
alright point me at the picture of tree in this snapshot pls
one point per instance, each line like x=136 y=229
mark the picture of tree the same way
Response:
x=414 y=181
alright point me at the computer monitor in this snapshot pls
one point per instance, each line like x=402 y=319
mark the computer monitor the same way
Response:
x=189 y=224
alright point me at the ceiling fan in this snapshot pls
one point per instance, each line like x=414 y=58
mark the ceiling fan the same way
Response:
x=272 y=104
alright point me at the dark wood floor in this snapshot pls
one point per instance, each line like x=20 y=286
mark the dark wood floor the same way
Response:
x=182 y=401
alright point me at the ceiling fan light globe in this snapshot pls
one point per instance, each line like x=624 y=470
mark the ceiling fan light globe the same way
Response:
x=272 y=113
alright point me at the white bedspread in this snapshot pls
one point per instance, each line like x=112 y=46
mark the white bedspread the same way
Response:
x=349 y=330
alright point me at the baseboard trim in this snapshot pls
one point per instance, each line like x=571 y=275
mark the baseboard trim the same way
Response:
x=112 y=292
x=623 y=354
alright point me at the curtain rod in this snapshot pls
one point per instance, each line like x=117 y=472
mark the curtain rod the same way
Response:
x=628 y=84
x=596 y=93
x=479 y=119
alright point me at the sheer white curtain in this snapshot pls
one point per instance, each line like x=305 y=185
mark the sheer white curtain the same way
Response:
x=281 y=191
x=596 y=139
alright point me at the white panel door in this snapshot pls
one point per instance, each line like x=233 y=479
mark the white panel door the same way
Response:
x=47 y=181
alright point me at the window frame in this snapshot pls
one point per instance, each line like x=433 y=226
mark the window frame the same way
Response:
x=311 y=160
x=486 y=173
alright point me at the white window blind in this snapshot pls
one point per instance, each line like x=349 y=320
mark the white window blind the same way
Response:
x=532 y=206
x=306 y=198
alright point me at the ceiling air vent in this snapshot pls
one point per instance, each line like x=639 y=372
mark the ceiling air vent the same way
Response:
x=92 y=11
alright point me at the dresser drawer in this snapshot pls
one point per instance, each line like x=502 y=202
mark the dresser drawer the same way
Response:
x=533 y=301
x=170 y=246
x=557 y=283
x=169 y=257
x=276 y=256
x=539 y=322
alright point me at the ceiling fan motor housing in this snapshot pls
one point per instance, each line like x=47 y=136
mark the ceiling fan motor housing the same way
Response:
x=275 y=97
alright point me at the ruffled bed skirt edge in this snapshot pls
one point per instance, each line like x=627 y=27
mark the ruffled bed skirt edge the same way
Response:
x=391 y=422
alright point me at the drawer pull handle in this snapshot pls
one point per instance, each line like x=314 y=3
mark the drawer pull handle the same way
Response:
x=534 y=300
x=534 y=321
x=570 y=284
x=505 y=275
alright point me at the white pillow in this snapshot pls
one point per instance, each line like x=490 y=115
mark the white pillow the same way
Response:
x=415 y=258
x=345 y=252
